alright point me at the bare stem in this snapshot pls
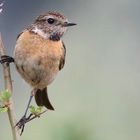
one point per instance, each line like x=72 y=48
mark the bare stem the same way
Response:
x=8 y=85
x=36 y=116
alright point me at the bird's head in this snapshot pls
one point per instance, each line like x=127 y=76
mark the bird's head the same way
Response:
x=51 y=25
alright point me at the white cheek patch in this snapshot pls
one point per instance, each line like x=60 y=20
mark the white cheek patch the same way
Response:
x=40 y=32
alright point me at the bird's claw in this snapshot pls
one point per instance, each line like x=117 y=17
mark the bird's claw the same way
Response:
x=6 y=59
x=21 y=123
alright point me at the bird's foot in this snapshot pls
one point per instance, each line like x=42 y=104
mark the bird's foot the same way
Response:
x=22 y=122
x=6 y=59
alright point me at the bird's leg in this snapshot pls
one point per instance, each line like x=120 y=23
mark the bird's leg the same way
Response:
x=21 y=123
x=24 y=119
x=6 y=59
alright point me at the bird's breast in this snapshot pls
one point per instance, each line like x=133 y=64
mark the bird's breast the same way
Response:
x=36 y=58
x=35 y=45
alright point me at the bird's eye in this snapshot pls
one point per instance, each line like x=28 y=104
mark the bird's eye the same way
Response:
x=50 y=20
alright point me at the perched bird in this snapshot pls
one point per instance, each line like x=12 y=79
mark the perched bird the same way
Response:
x=40 y=53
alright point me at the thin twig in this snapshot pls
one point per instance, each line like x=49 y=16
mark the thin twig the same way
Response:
x=36 y=116
x=23 y=121
x=8 y=85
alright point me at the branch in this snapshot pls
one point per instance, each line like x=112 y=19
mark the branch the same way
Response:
x=8 y=85
x=35 y=116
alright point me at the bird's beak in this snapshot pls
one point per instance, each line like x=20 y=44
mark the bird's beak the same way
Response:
x=67 y=24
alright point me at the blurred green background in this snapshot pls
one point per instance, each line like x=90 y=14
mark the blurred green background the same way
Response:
x=97 y=95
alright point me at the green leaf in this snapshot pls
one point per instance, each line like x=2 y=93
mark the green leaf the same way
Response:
x=38 y=110
x=3 y=109
x=5 y=96
x=34 y=110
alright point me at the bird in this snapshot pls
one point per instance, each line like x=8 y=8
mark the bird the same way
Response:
x=39 y=54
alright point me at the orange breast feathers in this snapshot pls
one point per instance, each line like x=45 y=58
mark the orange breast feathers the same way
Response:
x=33 y=45
x=37 y=59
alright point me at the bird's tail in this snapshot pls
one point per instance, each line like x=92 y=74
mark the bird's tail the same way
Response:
x=41 y=98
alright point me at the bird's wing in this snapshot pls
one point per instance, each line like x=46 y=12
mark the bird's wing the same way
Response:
x=62 y=60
